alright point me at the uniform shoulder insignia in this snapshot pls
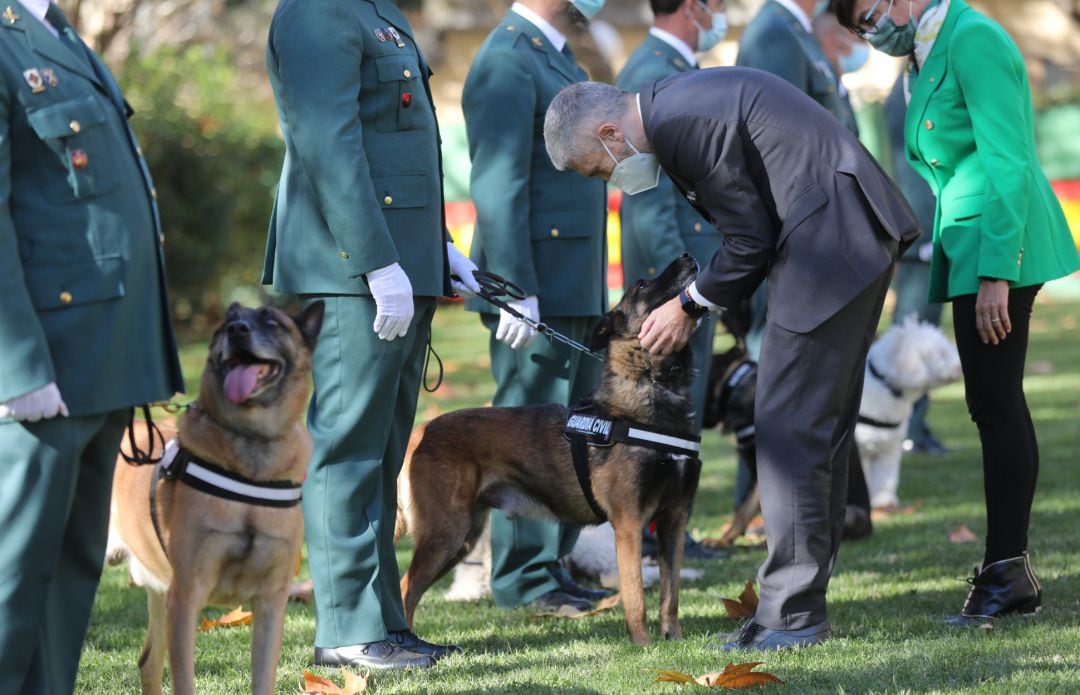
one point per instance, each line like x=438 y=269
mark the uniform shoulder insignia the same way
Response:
x=679 y=63
x=10 y=16
x=537 y=42
x=510 y=27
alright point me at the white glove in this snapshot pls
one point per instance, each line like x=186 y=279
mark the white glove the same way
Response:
x=512 y=330
x=40 y=404
x=460 y=266
x=392 y=291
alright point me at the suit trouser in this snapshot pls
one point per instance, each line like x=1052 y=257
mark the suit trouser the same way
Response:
x=701 y=342
x=360 y=419
x=808 y=391
x=55 y=484
x=525 y=552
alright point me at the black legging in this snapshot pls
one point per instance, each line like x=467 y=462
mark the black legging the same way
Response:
x=994 y=386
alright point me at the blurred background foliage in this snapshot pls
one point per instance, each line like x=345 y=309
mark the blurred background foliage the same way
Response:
x=194 y=71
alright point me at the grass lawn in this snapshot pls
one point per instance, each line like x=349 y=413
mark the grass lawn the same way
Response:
x=887 y=600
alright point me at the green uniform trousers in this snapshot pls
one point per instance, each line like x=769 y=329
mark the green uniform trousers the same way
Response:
x=360 y=418
x=525 y=552
x=55 y=483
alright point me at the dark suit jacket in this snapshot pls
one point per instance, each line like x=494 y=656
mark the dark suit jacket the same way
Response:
x=794 y=193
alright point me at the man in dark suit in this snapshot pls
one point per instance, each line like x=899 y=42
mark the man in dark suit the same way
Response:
x=84 y=332
x=800 y=201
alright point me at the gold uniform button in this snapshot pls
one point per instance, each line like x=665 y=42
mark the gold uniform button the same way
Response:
x=933 y=162
x=65 y=297
x=928 y=124
x=554 y=233
x=75 y=126
x=407 y=72
x=345 y=255
x=697 y=226
x=388 y=200
x=652 y=271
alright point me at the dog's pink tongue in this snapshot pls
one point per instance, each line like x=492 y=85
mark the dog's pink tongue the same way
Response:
x=240 y=382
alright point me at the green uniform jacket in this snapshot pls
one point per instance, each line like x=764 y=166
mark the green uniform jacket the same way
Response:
x=969 y=133
x=361 y=185
x=82 y=275
x=659 y=225
x=775 y=41
x=538 y=227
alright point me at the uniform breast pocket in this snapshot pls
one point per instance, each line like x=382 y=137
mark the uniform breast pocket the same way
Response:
x=402 y=100
x=77 y=133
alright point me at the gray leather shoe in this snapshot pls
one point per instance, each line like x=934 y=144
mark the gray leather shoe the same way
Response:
x=556 y=600
x=382 y=655
x=407 y=639
x=756 y=637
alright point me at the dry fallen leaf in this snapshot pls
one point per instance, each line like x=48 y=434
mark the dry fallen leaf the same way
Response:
x=573 y=613
x=745 y=605
x=237 y=616
x=734 y=676
x=962 y=534
x=878 y=513
x=317 y=685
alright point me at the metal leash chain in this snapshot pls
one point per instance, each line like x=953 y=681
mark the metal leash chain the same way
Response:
x=494 y=287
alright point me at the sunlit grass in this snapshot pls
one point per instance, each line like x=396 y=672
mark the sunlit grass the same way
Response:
x=887 y=600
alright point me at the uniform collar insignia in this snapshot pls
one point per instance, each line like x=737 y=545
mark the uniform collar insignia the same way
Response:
x=9 y=15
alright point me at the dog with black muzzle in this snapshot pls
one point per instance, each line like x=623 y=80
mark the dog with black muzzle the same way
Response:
x=217 y=521
x=518 y=460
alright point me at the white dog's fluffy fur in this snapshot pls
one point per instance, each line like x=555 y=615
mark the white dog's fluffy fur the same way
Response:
x=913 y=357
x=593 y=557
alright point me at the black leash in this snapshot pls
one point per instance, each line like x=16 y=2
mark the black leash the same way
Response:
x=494 y=287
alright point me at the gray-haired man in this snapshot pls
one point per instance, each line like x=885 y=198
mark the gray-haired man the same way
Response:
x=800 y=201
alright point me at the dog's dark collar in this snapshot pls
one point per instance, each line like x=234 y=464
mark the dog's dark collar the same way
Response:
x=738 y=374
x=180 y=464
x=583 y=421
x=897 y=393
x=865 y=420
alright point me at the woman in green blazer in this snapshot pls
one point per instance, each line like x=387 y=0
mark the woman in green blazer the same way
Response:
x=999 y=234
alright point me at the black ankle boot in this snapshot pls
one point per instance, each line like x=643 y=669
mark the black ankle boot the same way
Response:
x=1002 y=588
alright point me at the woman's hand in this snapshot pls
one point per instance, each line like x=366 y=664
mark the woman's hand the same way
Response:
x=992 y=311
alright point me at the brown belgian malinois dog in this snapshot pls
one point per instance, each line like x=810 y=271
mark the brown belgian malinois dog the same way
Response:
x=188 y=547
x=517 y=460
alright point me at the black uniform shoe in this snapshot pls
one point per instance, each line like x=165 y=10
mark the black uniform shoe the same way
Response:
x=571 y=587
x=756 y=637
x=407 y=639
x=383 y=654
x=692 y=550
x=1005 y=587
x=557 y=601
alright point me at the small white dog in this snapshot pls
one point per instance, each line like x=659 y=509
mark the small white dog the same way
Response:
x=908 y=360
x=593 y=556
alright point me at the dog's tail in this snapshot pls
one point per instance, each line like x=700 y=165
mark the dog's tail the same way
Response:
x=404 y=496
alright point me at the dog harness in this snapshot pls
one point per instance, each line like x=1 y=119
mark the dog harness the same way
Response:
x=180 y=464
x=586 y=427
x=739 y=376
x=897 y=393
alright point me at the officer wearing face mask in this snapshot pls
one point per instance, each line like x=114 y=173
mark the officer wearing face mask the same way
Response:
x=845 y=53
x=658 y=224
x=544 y=230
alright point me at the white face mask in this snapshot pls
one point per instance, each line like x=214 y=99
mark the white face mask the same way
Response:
x=637 y=173
x=708 y=38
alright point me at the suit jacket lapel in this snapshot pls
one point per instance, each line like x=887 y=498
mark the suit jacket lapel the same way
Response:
x=932 y=73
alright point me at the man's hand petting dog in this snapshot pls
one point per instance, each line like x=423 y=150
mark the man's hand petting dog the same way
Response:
x=667 y=329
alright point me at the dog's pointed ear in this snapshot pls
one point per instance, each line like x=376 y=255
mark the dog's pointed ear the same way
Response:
x=606 y=327
x=309 y=321
x=233 y=308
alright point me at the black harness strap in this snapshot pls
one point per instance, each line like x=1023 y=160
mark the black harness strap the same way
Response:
x=866 y=420
x=897 y=393
x=155 y=478
x=204 y=476
x=579 y=452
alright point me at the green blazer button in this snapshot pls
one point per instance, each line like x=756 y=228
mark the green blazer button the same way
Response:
x=929 y=124
x=407 y=73
x=388 y=200
x=65 y=297
x=554 y=232
x=933 y=162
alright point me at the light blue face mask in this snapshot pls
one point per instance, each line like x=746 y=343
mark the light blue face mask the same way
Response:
x=637 y=173
x=589 y=8
x=708 y=38
x=853 y=61
x=891 y=39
